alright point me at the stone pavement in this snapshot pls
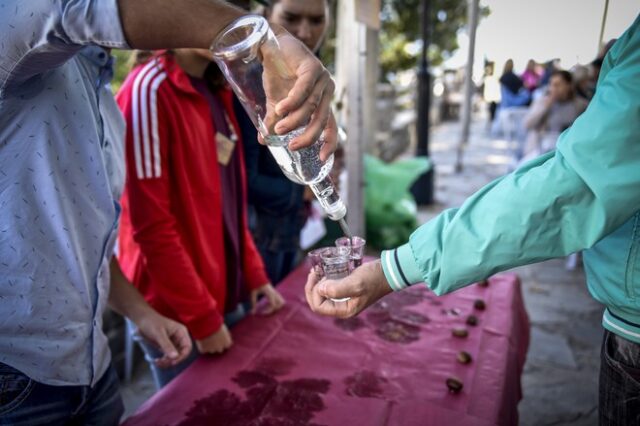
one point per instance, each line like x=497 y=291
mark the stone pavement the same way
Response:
x=561 y=374
x=560 y=381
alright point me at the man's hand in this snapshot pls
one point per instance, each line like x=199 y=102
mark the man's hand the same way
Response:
x=309 y=101
x=363 y=287
x=274 y=299
x=170 y=337
x=217 y=343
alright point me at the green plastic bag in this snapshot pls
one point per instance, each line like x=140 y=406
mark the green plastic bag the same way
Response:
x=390 y=209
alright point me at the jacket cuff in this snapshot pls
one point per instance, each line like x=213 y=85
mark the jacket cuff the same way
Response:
x=400 y=268
x=201 y=328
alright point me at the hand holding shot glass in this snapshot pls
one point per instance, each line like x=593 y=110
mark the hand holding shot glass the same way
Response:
x=336 y=263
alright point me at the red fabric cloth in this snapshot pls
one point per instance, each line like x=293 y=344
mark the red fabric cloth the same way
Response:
x=171 y=243
x=300 y=368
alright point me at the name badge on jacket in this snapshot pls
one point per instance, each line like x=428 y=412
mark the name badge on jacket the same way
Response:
x=225 y=147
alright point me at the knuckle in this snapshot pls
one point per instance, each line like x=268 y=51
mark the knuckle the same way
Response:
x=331 y=86
x=316 y=98
x=305 y=92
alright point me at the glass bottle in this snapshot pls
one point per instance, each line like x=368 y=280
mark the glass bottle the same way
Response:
x=240 y=51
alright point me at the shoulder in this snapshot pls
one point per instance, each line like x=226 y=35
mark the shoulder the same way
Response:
x=144 y=85
x=148 y=76
x=145 y=76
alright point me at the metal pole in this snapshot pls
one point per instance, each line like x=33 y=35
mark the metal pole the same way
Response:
x=473 y=6
x=356 y=131
x=604 y=22
x=422 y=189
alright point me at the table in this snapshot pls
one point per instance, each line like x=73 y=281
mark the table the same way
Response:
x=386 y=367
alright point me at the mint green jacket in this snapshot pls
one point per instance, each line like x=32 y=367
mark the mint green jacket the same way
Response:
x=584 y=196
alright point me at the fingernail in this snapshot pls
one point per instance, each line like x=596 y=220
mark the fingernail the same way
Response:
x=173 y=354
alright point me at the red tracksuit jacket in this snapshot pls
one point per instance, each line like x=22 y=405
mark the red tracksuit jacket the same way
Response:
x=171 y=240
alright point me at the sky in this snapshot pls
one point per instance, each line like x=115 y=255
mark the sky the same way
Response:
x=544 y=29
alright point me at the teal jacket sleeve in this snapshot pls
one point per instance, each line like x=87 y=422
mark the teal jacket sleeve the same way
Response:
x=560 y=203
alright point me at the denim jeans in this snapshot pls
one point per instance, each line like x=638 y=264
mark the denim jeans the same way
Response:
x=619 y=403
x=24 y=402
x=162 y=376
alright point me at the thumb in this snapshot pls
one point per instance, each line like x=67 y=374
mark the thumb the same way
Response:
x=342 y=289
x=165 y=344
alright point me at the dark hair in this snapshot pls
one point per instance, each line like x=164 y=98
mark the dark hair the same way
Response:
x=597 y=63
x=565 y=75
x=508 y=66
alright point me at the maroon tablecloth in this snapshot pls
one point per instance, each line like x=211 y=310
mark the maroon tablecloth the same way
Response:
x=386 y=367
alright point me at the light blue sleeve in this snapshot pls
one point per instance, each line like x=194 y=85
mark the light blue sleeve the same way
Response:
x=38 y=35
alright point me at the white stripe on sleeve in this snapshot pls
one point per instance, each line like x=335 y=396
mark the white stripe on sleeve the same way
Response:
x=144 y=114
x=394 y=280
x=136 y=117
x=155 y=137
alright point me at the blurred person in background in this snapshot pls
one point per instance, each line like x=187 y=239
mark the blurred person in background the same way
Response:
x=491 y=90
x=596 y=64
x=184 y=238
x=555 y=112
x=549 y=67
x=583 y=82
x=277 y=205
x=530 y=76
x=513 y=93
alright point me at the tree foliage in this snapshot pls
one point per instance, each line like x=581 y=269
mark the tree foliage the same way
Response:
x=401 y=28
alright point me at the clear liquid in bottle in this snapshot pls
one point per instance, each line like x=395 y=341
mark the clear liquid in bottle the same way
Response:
x=302 y=166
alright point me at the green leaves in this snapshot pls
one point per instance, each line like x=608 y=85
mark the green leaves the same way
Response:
x=401 y=26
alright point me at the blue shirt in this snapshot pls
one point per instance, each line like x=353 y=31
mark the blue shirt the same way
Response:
x=61 y=172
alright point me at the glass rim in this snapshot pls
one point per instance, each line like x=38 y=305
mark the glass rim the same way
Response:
x=335 y=252
x=316 y=252
x=259 y=29
x=360 y=242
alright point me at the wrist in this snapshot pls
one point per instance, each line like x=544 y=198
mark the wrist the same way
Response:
x=380 y=277
x=206 y=326
x=400 y=268
x=139 y=312
x=262 y=286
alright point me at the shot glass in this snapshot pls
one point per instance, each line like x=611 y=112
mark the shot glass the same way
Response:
x=356 y=249
x=315 y=258
x=336 y=264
